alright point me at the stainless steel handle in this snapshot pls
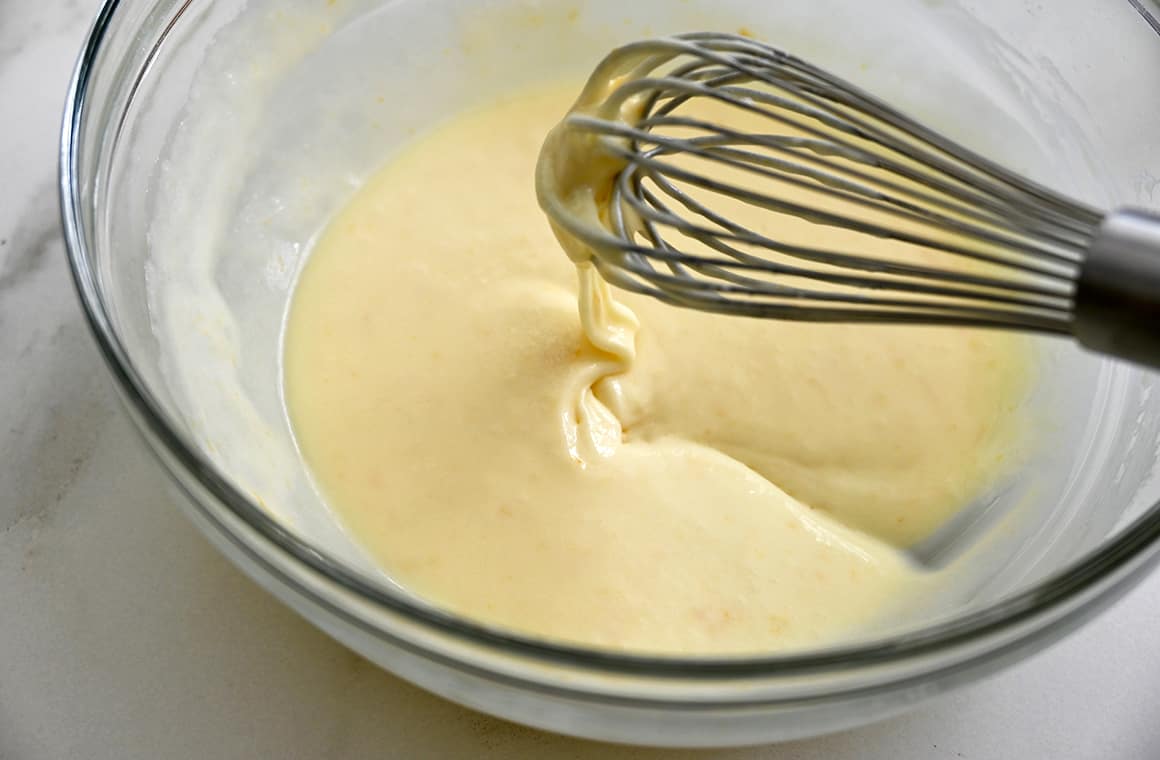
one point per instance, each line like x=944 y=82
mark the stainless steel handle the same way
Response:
x=1117 y=298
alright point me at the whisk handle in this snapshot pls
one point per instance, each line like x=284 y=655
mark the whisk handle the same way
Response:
x=1117 y=299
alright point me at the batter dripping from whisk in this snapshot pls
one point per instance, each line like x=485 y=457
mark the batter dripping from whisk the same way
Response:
x=672 y=482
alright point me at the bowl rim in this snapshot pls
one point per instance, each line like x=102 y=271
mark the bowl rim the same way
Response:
x=1098 y=571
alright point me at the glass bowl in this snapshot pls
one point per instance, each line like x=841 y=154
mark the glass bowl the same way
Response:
x=205 y=143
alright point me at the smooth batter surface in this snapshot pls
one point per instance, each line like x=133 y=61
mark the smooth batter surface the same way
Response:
x=445 y=396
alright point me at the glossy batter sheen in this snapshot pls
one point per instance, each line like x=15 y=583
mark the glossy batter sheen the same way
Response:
x=728 y=486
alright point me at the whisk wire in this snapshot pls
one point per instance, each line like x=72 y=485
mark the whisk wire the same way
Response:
x=655 y=168
x=967 y=188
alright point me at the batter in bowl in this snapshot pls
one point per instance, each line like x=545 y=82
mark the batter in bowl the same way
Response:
x=689 y=483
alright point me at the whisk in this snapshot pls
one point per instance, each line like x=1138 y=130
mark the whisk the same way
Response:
x=989 y=248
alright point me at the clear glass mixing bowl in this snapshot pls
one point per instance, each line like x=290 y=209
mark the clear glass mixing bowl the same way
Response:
x=205 y=143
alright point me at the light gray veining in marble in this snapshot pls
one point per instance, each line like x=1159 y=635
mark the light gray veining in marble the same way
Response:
x=124 y=636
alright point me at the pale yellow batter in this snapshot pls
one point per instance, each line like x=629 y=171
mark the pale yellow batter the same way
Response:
x=497 y=461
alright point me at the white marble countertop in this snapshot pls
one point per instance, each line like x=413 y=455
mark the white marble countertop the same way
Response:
x=123 y=635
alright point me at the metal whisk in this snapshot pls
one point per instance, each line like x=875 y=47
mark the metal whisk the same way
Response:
x=812 y=152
